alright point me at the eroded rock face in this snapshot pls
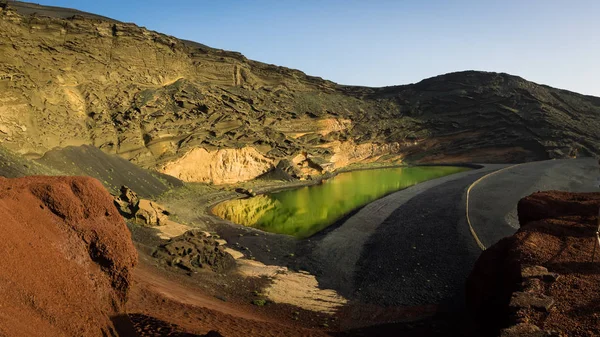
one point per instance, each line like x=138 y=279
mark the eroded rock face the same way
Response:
x=347 y=153
x=154 y=99
x=223 y=166
x=67 y=258
x=542 y=279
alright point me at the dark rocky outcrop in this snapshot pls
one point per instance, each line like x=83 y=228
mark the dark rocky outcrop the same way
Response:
x=127 y=202
x=194 y=251
x=543 y=280
x=142 y=211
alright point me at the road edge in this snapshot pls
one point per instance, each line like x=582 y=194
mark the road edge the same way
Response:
x=471 y=229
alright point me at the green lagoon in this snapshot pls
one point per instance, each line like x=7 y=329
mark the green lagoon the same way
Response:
x=304 y=211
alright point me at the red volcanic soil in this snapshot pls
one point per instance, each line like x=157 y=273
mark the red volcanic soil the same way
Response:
x=67 y=262
x=163 y=304
x=509 y=286
x=66 y=258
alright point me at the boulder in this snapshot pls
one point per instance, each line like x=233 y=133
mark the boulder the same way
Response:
x=67 y=258
x=145 y=212
x=129 y=196
x=540 y=272
x=527 y=330
x=194 y=251
x=127 y=202
x=150 y=213
x=520 y=300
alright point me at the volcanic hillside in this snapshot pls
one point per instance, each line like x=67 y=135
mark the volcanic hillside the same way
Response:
x=70 y=78
x=67 y=258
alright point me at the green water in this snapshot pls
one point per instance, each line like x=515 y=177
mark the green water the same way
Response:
x=305 y=211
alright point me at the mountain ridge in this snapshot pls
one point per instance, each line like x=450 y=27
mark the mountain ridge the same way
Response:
x=155 y=100
x=29 y=8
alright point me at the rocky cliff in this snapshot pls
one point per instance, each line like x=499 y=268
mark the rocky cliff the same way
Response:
x=70 y=78
x=544 y=280
x=67 y=258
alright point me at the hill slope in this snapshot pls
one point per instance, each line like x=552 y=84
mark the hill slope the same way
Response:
x=168 y=104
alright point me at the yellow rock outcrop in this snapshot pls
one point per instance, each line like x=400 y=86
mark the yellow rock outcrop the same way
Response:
x=223 y=166
x=346 y=153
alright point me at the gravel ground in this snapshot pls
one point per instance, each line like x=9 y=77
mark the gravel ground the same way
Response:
x=421 y=254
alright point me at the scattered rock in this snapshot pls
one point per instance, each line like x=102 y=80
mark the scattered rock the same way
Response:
x=528 y=300
x=150 y=213
x=527 y=330
x=127 y=202
x=194 y=251
x=538 y=272
x=145 y=212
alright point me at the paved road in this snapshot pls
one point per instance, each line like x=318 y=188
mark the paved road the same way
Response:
x=493 y=201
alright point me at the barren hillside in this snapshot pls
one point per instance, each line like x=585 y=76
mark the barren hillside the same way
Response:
x=69 y=78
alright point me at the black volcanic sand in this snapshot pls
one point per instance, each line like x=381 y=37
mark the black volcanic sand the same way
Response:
x=112 y=170
x=420 y=254
x=85 y=160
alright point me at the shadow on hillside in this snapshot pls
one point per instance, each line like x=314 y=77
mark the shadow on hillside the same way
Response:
x=441 y=325
x=145 y=326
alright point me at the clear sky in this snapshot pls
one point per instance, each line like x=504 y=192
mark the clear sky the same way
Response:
x=381 y=42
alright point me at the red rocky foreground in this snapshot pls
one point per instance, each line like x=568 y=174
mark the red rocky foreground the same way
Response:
x=541 y=281
x=66 y=258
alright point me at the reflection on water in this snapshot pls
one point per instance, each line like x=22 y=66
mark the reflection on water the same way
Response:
x=305 y=211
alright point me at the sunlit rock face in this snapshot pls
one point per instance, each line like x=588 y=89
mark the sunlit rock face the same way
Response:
x=154 y=99
x=220 y=166
x=346 y=153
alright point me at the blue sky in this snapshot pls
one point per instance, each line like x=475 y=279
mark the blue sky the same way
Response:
x=378 y=43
